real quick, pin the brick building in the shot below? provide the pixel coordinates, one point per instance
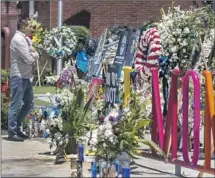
(99, 14)
(94, 14)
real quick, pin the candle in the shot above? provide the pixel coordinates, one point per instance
(125, 172)
(80, 153)
(94, 170)
(117, 168)
(127, 71)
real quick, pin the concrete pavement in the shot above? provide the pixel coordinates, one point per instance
(28, 159)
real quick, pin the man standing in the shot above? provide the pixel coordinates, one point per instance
(22, 57)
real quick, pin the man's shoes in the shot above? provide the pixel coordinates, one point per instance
(15, 138)
(22, 135)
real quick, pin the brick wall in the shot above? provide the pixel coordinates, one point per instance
(108, 13)
(9, 15)
(43, 9)
(104, 13)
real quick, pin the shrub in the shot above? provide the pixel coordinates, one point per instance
(5, 96)
(4, 111)
(4, 76)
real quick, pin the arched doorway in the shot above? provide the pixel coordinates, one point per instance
(82, 18)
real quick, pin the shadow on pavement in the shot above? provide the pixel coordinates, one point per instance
(156, 170)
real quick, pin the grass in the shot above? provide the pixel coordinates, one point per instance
(41, 103)
(44, 90)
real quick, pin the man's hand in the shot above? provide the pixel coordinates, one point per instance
(34, 53)
(33, 50)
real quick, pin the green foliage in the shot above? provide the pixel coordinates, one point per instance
(4, 101)
(44, 90)
(4, 111)
(82, 34)
(76, 115)
(129, 133)
(4, 76)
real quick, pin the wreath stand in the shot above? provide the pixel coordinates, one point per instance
(40, 74)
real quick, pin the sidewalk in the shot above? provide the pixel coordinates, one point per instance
(27, 159)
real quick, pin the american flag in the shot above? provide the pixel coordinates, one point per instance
(149, 51)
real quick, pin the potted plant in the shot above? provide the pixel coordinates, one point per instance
(76, 119)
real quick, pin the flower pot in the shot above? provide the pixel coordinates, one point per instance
(72, 147)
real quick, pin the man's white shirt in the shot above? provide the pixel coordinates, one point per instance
(22, 56)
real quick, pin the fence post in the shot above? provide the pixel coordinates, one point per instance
(177, 170)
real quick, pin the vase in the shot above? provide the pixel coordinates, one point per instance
(72, 146)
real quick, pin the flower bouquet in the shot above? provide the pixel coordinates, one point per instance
(120, 134)
(181, 34)
(67, 77)
(53, 39)
(39, 32)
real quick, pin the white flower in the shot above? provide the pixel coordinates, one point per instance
(183, 61)
(93, 141)
(178, 31)
(129, 114)
(113, 139)
(108, 133)
(186, 30)
(101, 129)
(48, 94)
(179, 40)
(184, 43)
(104, 145)
(127, 110)
(113, 113)
(166, 54)
(173, 49)
(108, 126)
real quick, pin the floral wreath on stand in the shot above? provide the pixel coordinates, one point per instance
(52, 42)
(181, 33)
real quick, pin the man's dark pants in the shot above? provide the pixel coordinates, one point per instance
(22, 101)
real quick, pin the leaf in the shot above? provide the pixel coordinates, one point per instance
(154, 146)
(142, 123)
(121, 145)
(79, 101)
(87, 105)
(132, 155)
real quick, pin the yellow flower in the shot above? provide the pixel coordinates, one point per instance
(136, 138)
(36, 39)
